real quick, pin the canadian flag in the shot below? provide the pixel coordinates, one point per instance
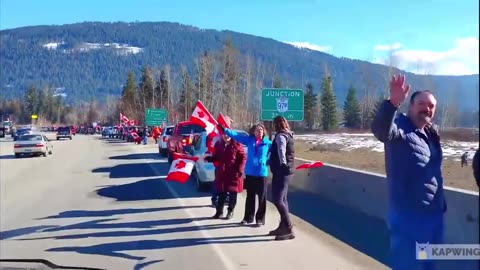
(181, 168)
(123, 118)
(223, 121)
(201, 116)
(310, 165)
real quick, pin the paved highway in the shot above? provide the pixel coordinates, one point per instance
(104, 203)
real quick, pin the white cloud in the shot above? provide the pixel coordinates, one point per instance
(310, 46)
(461, 59)
(394, 46)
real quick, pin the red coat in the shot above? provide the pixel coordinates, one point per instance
(229, 172)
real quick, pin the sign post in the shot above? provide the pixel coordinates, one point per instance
(288, 103)
(155, 117)
(34, 116)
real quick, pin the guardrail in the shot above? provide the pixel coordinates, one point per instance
(366, 193)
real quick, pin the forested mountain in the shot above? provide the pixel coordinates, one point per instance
(91, 60)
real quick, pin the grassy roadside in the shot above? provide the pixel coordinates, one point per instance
(364, 159)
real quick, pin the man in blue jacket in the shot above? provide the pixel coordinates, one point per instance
(413, 157)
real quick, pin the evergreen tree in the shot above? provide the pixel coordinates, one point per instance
(164, 89)
(277, 82)
(351, 109)
(310, 105)
(329, 105)
(32, 100)
(187, 101)
(147, 88)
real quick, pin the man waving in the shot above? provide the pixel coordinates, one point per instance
(413, 158)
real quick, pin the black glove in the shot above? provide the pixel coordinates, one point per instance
(220, 128)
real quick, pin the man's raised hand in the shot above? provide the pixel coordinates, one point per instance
(398, 90)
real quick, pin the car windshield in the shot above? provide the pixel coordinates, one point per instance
(31, 138)
(64, 129)
(191, 128)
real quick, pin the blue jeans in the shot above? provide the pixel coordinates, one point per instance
(405, 232)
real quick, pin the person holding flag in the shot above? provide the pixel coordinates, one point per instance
(231, 159)
(256, 170)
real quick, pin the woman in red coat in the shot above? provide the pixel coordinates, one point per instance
(231, 159)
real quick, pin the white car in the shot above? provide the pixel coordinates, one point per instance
(33, 144)
(163, 139)
(204, 172)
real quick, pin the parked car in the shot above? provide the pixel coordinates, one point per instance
(182, 137)
(204, 172)
(32, 144)
(163, 139)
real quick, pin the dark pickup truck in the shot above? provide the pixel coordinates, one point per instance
(64, 133)
(181, 140)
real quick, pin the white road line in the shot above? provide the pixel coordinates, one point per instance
(229, 265)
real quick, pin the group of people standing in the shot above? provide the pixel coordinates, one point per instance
(233, 164)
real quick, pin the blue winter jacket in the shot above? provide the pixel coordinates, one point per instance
(257, 155)
(414, 172)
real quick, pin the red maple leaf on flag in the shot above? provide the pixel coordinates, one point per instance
(201, 114)
(181, 164)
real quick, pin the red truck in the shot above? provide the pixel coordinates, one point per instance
(181, 140)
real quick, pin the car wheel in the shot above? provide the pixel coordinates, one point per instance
(17, 155)
(58, 139)
(70, 138)
(44, 154)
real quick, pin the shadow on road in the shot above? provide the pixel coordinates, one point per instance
(7, 157)
(130, 233)
(116, 249)
(150, 189)
(114, 212)
(366, 234)
(133, 170)
(138, 156)
(120, 142)
(105, 224)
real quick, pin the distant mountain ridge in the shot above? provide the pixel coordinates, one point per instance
(92, 59)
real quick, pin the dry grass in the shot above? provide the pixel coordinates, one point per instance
(364, 159)
(455, 134)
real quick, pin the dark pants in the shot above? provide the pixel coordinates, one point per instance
(214, 194)
(232, 201)
(279, 196)
(255, 186)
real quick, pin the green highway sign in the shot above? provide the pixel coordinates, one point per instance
(286, 102)
(155, 117)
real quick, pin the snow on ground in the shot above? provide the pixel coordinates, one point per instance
(451, 149)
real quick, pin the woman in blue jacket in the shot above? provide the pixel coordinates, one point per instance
(256, 171)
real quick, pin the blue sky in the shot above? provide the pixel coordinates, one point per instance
(428, 36)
